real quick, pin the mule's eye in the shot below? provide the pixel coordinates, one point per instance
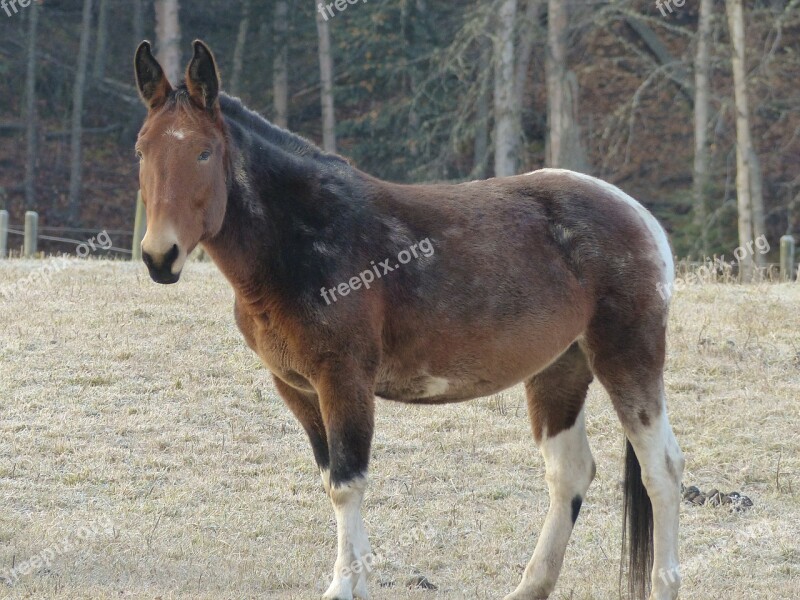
(139, 155)
(204, 156)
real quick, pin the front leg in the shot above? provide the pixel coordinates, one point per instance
(347, 403)
(305, 407)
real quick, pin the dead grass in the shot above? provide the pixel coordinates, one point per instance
(126, 401)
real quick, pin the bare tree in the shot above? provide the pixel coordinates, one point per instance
(702, 96)
(409, 30)
(138, 23)
(482, 118)
(30, 110)
(168, 38)
(757, 200)
(326, 77)
(506, 133)
(238, 52)
(743, 156)
(79, 90)
(564, 147)
(527, 37)
(280, 65)
(101, 44)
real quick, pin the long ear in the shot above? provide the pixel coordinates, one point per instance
(202, 77)
(154, 88)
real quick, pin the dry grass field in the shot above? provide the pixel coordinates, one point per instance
(144, 454)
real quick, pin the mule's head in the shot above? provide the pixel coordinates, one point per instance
(182, 160)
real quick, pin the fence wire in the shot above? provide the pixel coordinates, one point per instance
(51, 238)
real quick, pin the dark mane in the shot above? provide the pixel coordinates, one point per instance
(233, 108)
(255, 124)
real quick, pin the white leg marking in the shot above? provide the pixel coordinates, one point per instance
(662, 467)
(354, 556)
(570, 469)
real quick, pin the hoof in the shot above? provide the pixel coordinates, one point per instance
(341, 591)
(526, 595)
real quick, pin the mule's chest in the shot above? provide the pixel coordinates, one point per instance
(271, 346)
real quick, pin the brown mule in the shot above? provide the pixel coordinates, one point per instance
(349, 288)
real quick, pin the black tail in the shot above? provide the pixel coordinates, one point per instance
(637, 528)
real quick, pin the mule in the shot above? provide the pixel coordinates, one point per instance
(350, 288)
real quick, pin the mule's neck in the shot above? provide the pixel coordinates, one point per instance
(291, 211)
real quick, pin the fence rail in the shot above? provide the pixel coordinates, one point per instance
(31, 235)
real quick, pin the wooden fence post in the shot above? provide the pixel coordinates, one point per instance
(31, 234)
(3, 233)
(139, 227)
(787, 258)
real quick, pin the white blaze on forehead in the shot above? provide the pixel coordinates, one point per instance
(178, 134)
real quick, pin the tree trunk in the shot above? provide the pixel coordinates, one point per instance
(702, 69)
(757, 201)
(138, 23)
(30, 110)
(280, 65)
(76, 157)
(564, 147)
(101, 45)
(168, 39)
(528, 35)
(736, 26)
(481, 148)
(326, 77)
(408, 15)
(506, 135)
(238, 52)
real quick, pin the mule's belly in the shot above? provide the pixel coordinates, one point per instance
(445, 374)
(429, 389)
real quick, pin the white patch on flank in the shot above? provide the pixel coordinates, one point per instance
(436, 386)
(658, 233)
(354, 558)
(178, 134)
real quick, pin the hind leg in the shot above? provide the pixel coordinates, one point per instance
(628, 359)
(661, 470)
(555, 405)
